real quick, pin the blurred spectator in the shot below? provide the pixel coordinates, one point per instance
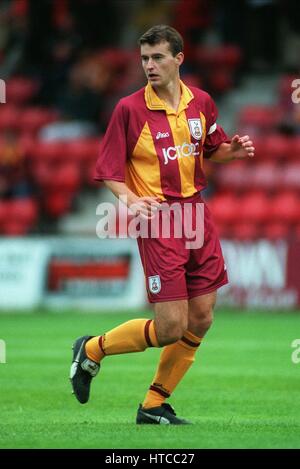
(192, 18)
(14, 176)
(291, 37)
(81, 101)
(99, 23)
(262, 47)
(255, 26)
(64, 47)
(40, 31)
(13, 34)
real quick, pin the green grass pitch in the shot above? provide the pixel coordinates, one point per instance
(242, 391)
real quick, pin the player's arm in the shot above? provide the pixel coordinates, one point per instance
(144, 206)
(238, 149)
(111, 170)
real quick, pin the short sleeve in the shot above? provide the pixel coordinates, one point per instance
(113, 148)
(215, 135)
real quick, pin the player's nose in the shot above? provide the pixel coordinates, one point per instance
(149, 65)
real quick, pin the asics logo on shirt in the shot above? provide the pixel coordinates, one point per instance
(180, 151)
(162, 135)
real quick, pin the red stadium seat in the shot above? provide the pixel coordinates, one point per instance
(224, 230)
(226, 56)
(66, 178)
(23, 211)
(295, 148)
(221, 81)
(225, 208)
(21, 89)
(77, 150)
(9, 117)
(20, 216)
(276, 231)
(245, 231)
(43, 174)
(33, 118)
(27, 144)
(277, 147)
(51, 152)
(285, 208)
(15, 228)
(218, 64)
(4, 207)
(265, 118)
(83, 154)
(266, 175)
(192, 79)
(297, 232)
(236, 176)
(254, 207)
(116, 58)
(290, 178)
(58, 204)
(82, 150)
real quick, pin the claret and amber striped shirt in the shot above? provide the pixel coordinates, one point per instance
(157, 151)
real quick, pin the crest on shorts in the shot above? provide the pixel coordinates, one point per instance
(154, 283)
(195, 128)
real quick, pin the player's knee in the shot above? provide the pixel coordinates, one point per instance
(207, 319)
(207, 322)
(172, 333)
(199, 324)
(170, 338)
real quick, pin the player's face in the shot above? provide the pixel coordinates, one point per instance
(159, 64)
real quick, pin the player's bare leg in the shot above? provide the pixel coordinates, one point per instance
(200, 314)
(171, 320)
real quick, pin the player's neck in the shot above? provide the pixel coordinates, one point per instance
(170, 94)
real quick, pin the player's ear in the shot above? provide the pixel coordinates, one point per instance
(179, 58)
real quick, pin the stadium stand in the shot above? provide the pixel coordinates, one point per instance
(247, 200)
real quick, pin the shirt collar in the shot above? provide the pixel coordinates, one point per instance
(154, 103)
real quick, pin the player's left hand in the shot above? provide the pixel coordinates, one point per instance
(241, 147)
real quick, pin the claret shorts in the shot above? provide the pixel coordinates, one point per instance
(175, 271)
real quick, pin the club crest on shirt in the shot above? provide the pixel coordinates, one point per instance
(195, 128)
(154, 283)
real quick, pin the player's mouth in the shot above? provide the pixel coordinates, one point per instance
(152, 76)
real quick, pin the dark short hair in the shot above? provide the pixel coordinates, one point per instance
(163, 33)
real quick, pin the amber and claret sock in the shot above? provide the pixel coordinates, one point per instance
(175, 360)
(132, 336)
(135, 336)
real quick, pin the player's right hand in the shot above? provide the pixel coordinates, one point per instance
(145, 207)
